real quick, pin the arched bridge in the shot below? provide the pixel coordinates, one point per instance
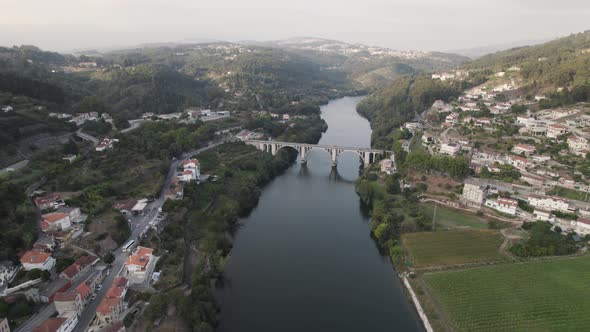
(367, 155)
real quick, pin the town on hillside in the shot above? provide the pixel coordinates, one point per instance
(525, 157)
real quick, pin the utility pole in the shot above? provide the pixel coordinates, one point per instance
(434, 217)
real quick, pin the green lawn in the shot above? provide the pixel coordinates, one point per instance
(447, 218)
(535, 296)
(452, 247)
(568, 193)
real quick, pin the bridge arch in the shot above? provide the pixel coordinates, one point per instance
(359, 154)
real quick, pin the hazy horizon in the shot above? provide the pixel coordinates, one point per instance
(66, 25)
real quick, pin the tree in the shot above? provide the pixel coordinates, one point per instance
(109, 258)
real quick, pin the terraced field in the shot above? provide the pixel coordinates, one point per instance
(535, 296)
(452, 247)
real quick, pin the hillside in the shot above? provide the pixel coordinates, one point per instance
(560, 65)
(563, 62)
(370, 66)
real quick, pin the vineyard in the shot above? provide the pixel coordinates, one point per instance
(452, 247)
(535, 296)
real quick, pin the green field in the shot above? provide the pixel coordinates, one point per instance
(447, 218)
(452, 247)
(535, 296)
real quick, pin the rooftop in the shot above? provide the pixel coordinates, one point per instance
(34, 257)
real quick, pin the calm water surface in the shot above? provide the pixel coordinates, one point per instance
(304, 260)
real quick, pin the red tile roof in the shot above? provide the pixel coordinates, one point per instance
(63, 297)
(34, 257)
(140, 257)
(47, 199)
(50, 325)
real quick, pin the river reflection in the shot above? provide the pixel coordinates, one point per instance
(303, 260)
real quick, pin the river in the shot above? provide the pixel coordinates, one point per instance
(303, 260)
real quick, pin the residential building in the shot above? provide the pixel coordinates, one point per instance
(55, 221)
(450, 148)
(81, 265)
(105, 144)
(62, 323)
(138, 263)
(286, 116)
(50, 201)
(474, 192)
(525, 149)
(577, 143)
(483, 122)
(37, 260)
(412, 126)
(7, 273)
(191, 170)
(387, 166)
(73, 212)
(581, 226)
(543, 215)
(125, 207)
(45, 243)
(69, 301)
(504, 205)
(4, 327)
(550, 203)
(520, 162)
(110, 308)
(452, 118)
(555, 130)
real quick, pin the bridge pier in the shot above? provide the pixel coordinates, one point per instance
(303, 155)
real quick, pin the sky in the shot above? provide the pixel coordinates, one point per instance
(434, 25)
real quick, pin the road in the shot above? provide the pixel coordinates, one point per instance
(87, 137)
(37, 319)
(139, 225)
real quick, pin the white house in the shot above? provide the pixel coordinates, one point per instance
(137, 264)
(577, 144)
(7, 108)
(581, 226)
(191, 171)
(387, 166)
(504, 205)
(55, 221)
(73, 212)
(37, 260)
(523, 148)
(450, 148)
(451, 118)
(549, 203)
(556, 129)
(543, 215)
(520, 162)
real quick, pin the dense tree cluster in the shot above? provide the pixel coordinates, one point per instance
(544, 242)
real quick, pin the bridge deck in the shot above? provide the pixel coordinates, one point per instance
(322, 146)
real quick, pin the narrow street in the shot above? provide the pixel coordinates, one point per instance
(89, 313)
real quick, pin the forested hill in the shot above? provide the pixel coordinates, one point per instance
(369, 66)
(401, 101)
(564, 62)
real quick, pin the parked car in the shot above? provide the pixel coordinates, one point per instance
(99, 287)
(93, 297)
